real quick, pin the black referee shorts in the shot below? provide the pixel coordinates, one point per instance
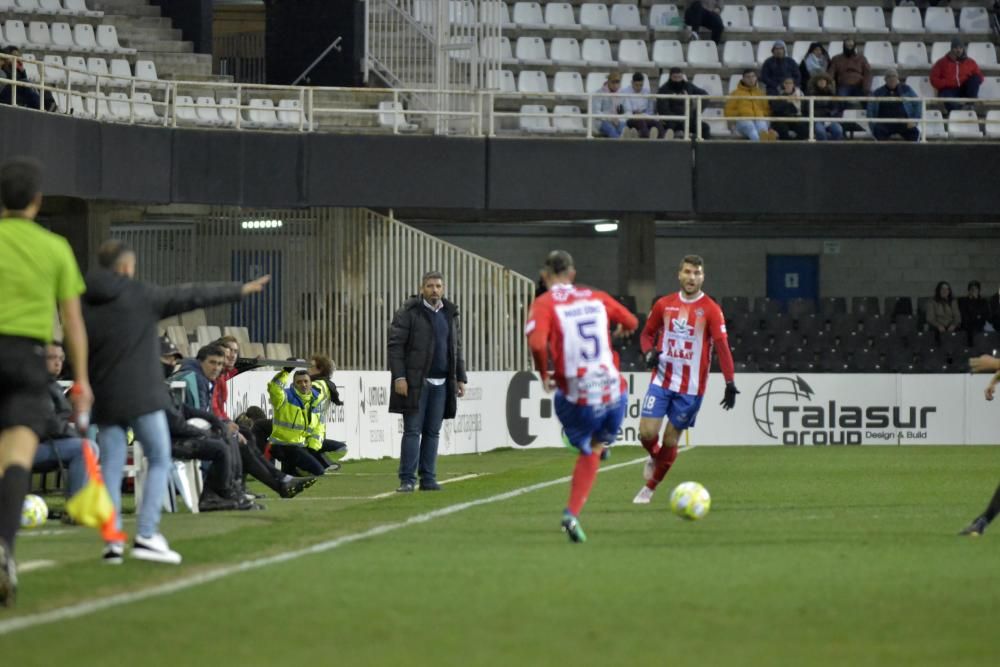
(24, 379)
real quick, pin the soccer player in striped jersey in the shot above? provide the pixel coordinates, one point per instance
(569, 325)
(677, 342)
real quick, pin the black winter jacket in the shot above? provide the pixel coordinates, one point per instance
(121, 315)
(411, 352)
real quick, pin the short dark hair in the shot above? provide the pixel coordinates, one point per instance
(749, 70)
(693, 260)
(431, 275)
(109, 252)
(211, 350)
(255, 412)
(637, 76)
(676, 70)
(323, 363)
(299, 372)
(558, 261)
(20, 182)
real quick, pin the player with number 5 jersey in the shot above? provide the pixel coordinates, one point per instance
(569, 325)
(677, 342)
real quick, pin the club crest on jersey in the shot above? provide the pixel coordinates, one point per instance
(680, 326)
(700, 312)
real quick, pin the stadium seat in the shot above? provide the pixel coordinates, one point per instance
(935, 128)
(51, 7)
(143, 109)
(838, 19)
(665, 18)
(566, 51)
(736, 18)
(625, 17)
(865, 305)
(731, 305)
(15, 34)
(803, 18)
(290, 115)
(229, 112)
(28, 6)
(31, 71)
(62, 37)
(392, 116)
(716, 122)
(253, 350)
(528, 15)
(98, 109)
(993, 124)
(77, 107)
(986, 342)
(668, 53)
(107, 39)
(990, 90)
(799, 307)
(767, 18)
(207, 112)
(145, 72)
(974, 20)
(85, 40)
(242, 334)
(878, 81)
(800, 50)
(764, 51)
(495, 12)
(710, 83)
(921, 86)
(879, 55)
(767, 306)
(964, 125)
(531, 51)
(78, 74)
(595, 81)
(98, 67)
(984, 53)
(38, 35)
(597, 53)
(866, 361)
(79, 8)
(502, 81)
(498, 48)
(897, 305)
(939, 50)
(462, 12)
(425, 11)
(633, 53)
(734, 81)
(703, 53)
(870, 19)
(830, 305)
(594, 16)
(907, 20)
(940, 20)
(568, 119)
(913, 54)
(737, 53)
(567, 83)
(121, 73)
(53, 70)
(205, 334)
(857, 117)
(835, 47)
(559, 15)
(532, 81)
(185, 113)
(535, 123)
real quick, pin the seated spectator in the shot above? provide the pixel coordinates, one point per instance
(974, 310)
(639, 108)
(777, 68)
(608, 104)
(318, 445)
(296, 415)
(705, 14)
(747, 102)
(677, 84)
(816, 61)
(851, 72)
(943, 315)
(894, 107)
(821, 85)
(61, 445)
(14, 70)
(994, 322)
(789, 107)
(956, 75)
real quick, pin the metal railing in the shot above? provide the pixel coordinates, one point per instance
(338, 276)
(479, 112)
(241, 56)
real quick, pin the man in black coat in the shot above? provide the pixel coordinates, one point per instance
(121, 316)
(428, 377)
(676, 84)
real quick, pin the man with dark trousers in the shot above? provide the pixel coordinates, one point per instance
(428, 376)
(38, 272)
(122, 315)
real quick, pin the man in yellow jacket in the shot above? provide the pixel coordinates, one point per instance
(748, 102)
(321, 373)
(296, 416)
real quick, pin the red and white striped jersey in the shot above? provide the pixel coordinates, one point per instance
(684, 331)
(570, 324)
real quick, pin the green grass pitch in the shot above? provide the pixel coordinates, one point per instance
(810, 556)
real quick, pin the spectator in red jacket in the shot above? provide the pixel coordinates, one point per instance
(956, 75)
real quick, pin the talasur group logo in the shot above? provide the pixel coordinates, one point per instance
(785, 389)
(527, 405)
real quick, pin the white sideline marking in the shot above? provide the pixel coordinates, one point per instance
(41, 533)
(389, 494)
(34, 565)
(86, 608)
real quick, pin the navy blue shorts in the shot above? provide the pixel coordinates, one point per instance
(680, 409)
(582, 424)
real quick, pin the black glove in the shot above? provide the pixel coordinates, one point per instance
(334, 394)
(729, 400)
(652, 358)
(288, 369)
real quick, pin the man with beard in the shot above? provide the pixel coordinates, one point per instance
(851, 72)
(677, 84)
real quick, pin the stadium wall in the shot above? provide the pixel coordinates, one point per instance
(503, 409)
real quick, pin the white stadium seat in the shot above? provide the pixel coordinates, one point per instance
(858, 117)
(79, 8)
(736, 53)
(736, 18)
(499, 48)
(532, 81)
(633, 53)
(716, 121)
(626, 17)
(836, 47)
(31, 71)
(495, 12)
(38, 34)
(52, 7)
(838, 19)
(984, 53)
(462, 12)
(993, 124)
(907, 20)
(767, 18)
(53, 70)
(710, 83)
(145, 71)
(15, 34)
(62, 37)
(78, 74)
(764, 51)
(229, 112)
(119, 107)
(261, 114)
(184, 110)
(734, 80)
(921, 85)
(529, 15)
(799, 50)
(940, 19)
(912, 54)
(107, 39)
(938, 51)
(877, 81)
(668, 53)
(963, 125)
(595, 81)
(567, 83)
(143, 109)
(935, 125)
(28, 6)
(879, 54)
(83, 37)
(290, 115)
(121, 73)
(208, 113)
(502, 81)
(803, 18)
(870, 19)
(597, 53)
(665, 17)
(566, 51)
(531, 51)
(974, 20)
(990, 90)
(535, 123)
(568, 119)
(594, 16)
(703, 53)
(560, 15)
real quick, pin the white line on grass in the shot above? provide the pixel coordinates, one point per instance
(32, 565)
(389, 494)
(100, 604)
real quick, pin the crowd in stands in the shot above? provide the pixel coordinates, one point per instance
(860, 334)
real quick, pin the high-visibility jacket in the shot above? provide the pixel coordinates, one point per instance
(323, 401)
(295, 414)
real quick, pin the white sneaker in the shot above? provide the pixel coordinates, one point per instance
(155, 549)
(114, 553)
(643, 497)
(647, 470)
(654, 133)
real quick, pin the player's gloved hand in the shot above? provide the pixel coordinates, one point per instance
(652, 358)
(729, 400)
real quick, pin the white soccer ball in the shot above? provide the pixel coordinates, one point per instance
(34, 512)
(690, 500)
(199, 423)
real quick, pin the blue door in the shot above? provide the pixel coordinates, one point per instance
(792, 277)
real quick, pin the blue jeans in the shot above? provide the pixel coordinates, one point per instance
(750, 129)
(969, 89)
(828, 130)
(68, 452)
(609, 129)
(152, 432)
(421, 432)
